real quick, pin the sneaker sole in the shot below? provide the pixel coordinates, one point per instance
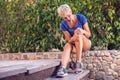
(78, 71)
(60, 76)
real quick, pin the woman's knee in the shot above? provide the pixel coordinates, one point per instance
(80, 37)
(67, 46)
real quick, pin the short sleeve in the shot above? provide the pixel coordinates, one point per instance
(83, 19)
(63, 27)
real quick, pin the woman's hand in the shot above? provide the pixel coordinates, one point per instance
(76, 34)
(72, 39)
(79, 31)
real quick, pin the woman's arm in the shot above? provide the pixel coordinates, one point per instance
(87, 32)
(68, 37)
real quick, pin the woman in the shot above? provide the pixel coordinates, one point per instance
(76, 31)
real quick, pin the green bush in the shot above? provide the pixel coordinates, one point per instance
(33, 25)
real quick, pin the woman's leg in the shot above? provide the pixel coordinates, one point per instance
(66, 55)
(64, 61)
(81, 44)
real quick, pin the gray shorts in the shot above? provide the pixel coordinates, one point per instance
(90, 42)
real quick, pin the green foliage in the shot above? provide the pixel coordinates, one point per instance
(33, 25)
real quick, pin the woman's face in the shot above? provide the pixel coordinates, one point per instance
(68, 17)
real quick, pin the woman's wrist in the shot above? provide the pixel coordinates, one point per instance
(69, 41)
(83, 32)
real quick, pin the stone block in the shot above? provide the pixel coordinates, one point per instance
(6, 56)
(10, 71)
(73, 76)
(1, 56)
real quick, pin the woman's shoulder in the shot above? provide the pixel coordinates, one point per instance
(63, 25)
(80, 15)
(82, 18)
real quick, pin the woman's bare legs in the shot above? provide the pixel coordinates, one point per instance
(66, 54)
(81, 44)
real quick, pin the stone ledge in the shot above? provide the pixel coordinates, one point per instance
(24, 66)
(30, 56)
(54, 55)
(107, 61)
(45, 65)
(73, 76)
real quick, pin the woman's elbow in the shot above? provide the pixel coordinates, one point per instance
(89, 35)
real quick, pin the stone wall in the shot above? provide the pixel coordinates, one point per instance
(30, 56)
(103, 64)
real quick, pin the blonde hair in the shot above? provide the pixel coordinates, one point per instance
(63, 10)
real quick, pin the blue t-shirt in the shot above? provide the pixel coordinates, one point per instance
(81, 21)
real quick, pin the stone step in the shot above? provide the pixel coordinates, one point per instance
(11, 70)
(72, 76)
(28, 69)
